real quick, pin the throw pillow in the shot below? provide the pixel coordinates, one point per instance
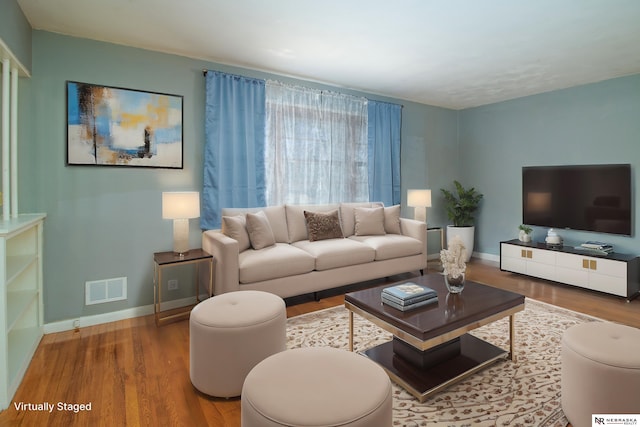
(236, 228)
(392, 220)
(260, 233)
(369, 221)
(323, 225)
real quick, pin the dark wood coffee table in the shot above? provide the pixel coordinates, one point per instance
(431, 348)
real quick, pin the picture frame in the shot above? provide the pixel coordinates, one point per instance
(113, 126)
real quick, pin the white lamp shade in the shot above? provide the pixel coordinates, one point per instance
(180, 205)
(419, 198)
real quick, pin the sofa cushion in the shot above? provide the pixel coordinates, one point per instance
(390, 246)
(392, 219)
(347, 217)
(279, 260)
(276, 215)
(322, 226)
(369, 221)
(296, 223)
(236, 228)
(259, 229)
(334, 253)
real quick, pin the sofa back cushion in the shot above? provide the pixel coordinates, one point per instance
(275, 214)
(260, 233)
(392, 220)
(236, 228)
(369, 221)
(347, 215)
(296, 221)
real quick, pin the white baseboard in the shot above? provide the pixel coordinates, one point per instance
(98, 319)
(488, 257)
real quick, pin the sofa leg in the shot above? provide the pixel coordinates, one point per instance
(316, 297)
(421, 272)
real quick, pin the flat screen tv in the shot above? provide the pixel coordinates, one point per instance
(580, 197)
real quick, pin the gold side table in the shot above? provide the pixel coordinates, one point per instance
(162, 260)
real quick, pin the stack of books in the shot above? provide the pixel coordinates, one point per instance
(598, 246)
(408, 296)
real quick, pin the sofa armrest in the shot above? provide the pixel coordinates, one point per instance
(417, 230)
(413, 228)
(225, 251)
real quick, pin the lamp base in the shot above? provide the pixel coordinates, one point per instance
(181, 236)
(420, 213)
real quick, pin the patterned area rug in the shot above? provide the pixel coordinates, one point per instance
(524, 393)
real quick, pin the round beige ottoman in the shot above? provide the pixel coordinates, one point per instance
(600, 371)
(316, 387)
(229, 334)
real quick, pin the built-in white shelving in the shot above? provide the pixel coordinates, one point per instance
(21, 307)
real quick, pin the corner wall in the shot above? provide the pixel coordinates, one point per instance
(590, 124)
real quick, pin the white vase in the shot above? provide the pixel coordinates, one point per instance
(467, 236)
(524, 237)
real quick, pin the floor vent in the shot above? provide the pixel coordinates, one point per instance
(101, 291)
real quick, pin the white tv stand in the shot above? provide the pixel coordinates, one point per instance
(614, 273)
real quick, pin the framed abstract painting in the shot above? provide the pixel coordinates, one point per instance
(111, 126)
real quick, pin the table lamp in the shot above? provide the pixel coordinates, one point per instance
(180, 206)
(420, 200)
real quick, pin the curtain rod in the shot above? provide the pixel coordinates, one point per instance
(205, 71)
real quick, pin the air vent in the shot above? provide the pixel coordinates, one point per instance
(101, 291)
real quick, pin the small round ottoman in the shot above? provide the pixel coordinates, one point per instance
(316, 387)
(600, 371)
(229, 334)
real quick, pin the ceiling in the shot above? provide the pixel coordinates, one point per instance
(449, 53)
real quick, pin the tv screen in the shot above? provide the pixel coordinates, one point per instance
(579, 197)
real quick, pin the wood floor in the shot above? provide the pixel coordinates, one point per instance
(134, 373)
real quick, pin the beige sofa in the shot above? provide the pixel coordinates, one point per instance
(293, 250)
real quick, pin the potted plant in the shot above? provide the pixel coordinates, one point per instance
(461, 206)
(525, 233)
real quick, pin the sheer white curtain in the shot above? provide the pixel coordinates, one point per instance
(316, 146)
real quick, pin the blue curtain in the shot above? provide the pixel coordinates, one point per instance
(385, 120)
(234, 174)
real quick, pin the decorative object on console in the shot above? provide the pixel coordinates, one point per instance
(553, 240)
(525, 233)
(453, 263)
(420, 200)
(461, 207)
(180, 207)
(597, 246)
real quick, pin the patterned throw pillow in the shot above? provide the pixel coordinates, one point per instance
(323, 225)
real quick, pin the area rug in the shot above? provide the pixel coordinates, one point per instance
(521, 393)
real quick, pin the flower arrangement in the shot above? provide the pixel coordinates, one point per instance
(453, 258)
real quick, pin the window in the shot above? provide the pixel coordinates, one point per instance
(316, 146)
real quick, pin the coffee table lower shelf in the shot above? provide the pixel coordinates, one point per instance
(475, 354)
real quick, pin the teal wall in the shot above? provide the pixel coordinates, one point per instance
(15, 31)
(106, 222)
(596, 123)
